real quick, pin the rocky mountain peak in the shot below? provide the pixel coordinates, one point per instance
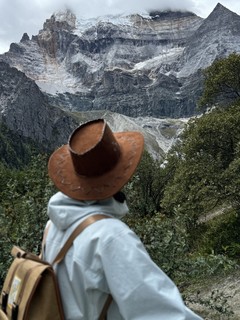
(147, 65)
(25, 37)
(63, 20)
(220, 9)
(57, 30)
(143, 68)
(221, 17)
(216, 37)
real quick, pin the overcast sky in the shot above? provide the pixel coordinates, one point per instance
(19, 16)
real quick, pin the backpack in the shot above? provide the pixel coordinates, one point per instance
(30, 290)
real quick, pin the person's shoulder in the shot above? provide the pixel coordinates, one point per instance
(109, 231)
(116, 231)
(114, 226)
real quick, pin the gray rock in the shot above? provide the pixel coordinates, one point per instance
(23, 109)
(134, 65)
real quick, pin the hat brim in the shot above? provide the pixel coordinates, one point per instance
(79, 187)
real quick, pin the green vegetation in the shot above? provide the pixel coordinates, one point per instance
(206, 166)
(23, 199)
(14, 150)
(145, 190)
(186, 210)
(222, 82)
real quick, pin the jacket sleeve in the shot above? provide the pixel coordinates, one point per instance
(139, 287)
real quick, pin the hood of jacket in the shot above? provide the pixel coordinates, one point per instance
(64, 211)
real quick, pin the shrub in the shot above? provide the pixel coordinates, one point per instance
(221, 235)
(23, 203)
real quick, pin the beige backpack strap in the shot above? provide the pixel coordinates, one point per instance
(75, 233)
(88, 221)
(105, 308)
(44, 240)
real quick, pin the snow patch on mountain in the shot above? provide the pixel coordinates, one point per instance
(166, 56)
(57, 80)
(83, 24)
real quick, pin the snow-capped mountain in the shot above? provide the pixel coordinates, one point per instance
(134, 65)
(141, 72)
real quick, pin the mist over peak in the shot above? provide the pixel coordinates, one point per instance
(103, 7)
(170, 14)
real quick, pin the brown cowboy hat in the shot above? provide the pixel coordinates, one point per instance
(96, 163)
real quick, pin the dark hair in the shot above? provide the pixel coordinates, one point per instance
(119, 196)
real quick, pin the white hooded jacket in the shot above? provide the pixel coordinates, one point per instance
(107, 257)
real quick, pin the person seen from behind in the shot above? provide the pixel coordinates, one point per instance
(107, 259)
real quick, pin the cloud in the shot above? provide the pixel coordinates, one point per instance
(18, 16)
(102, 7)
(184, 5)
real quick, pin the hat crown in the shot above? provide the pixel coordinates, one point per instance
(93, 149)
(95, 163)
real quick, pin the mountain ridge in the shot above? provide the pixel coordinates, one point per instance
(72, 60)
(139, 67)
(133, 65)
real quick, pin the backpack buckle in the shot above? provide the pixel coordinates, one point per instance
(4, 301)
(14, 311)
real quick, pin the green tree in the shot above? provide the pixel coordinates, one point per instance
(208, 161)
(23, 202)
(222, 82)
(232, 178)
(145, 190)
(15, 151)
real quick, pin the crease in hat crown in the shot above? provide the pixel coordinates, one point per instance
(96, 162)
(93, 148)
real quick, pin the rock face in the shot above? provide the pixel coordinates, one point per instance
(134, 65)
(23, 109)
(136, 71)
(159, 134)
